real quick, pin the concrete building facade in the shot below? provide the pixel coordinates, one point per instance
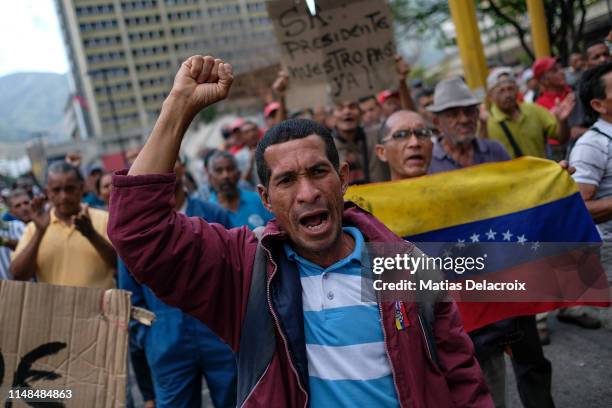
(124, 53)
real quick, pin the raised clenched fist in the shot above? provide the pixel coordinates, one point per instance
(202, 81)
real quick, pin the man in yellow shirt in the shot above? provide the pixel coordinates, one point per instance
(66, 244)
(522, 127)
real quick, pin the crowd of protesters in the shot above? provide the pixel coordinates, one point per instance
(190, 252)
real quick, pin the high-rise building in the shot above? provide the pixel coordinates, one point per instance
(124, 53)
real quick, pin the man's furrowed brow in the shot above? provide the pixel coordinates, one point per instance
(282, 174)
(319, 164)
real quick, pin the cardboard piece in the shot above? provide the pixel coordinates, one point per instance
(254, 84)
(75, 338)
(343, 53)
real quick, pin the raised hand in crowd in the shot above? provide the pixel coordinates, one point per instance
(280, 83)
(483, 117)
(563, 109)
(82, 222)
(402, 69)
(200, 82)
(40, 213)
(279, 87)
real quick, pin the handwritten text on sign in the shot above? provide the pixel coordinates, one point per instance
(344, 52)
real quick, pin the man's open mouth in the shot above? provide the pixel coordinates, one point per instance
(415, 158)
(314, 221)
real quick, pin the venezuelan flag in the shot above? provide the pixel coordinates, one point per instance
(527, 201)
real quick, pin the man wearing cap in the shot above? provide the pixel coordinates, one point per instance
(554, 95)
(521, 127)
(405, 144)
(456, 114)
(270, 113)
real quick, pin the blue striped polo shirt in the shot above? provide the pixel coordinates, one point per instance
(347, 361)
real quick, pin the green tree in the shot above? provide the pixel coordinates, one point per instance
(565, 20)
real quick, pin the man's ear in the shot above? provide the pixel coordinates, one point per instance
(598, 106)
(381, 153)
(343, 172)
(265, 198)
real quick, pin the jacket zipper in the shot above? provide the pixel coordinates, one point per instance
(256, 384)
(277, 323)
(399, 399)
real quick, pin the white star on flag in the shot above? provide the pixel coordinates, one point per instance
(475, 237)
(521, 239)
(460, 243)
(535, 246)
(507, 235)
(490, 234)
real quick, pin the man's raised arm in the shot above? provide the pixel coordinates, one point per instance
(200, 82)
(201, 268)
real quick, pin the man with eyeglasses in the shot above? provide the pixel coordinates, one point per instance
(405, 143)
(65, 244)
(19, 207)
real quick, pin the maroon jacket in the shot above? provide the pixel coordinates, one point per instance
(216, 266)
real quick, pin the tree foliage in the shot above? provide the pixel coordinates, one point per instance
(565, 20)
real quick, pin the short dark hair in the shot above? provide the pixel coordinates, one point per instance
(593, 87)
(220, 154)
(14, 193)
(367, 98)
(593, 43)
(62, 167)
(293, 129)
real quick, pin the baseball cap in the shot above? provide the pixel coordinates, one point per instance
(496, 74)
(386, 94)
(271, 108)
(542, 65)
(236, 124)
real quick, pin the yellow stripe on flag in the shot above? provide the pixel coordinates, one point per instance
(429, 203)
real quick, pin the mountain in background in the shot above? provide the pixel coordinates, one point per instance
(32, 102)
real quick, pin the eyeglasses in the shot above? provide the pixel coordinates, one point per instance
(421, 135)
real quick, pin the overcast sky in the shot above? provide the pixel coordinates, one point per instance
(30, 39)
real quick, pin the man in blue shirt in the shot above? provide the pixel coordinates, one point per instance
(244, 207)
(179, 349)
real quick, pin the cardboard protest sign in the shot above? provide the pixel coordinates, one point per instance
(344, 52)
(65, 339)
(254, 84)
